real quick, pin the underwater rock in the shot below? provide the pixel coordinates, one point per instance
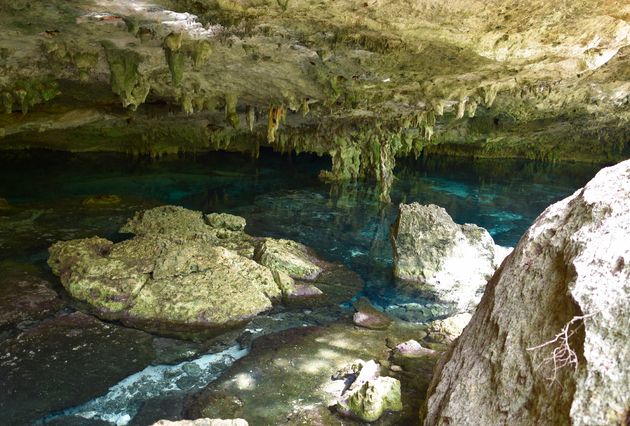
(203, 422)
(338, 283)
(369, 395)
(4, 204)
(24, 295)
(79, 356)
(433, 253)
(102, 200)
(369, 317)
(548, 344)
(289, 257)
(295, 366)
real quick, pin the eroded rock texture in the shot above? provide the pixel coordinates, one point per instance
(570, 272)
(438, 256)
(181, 274)
(361, 82)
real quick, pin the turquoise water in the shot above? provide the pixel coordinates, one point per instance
(279, 196)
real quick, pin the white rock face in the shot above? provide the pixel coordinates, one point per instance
(571, 271)
(453, 261)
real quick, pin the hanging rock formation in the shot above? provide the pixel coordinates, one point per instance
(362, 83)
(436, 255)
(548, 344)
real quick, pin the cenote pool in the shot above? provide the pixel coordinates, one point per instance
(280, 196)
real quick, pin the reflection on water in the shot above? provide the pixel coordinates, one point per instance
(279, 196)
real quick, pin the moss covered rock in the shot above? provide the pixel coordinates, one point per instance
(294, 259)
(175, 275)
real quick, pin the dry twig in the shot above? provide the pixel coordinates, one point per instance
(563, 355)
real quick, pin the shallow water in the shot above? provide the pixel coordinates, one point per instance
(279, 196)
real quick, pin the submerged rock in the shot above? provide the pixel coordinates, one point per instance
(441, 257)
(203, 422)
(4, 204)
(24, 295)
(79, 357)
(286, 378)
(369, 317)
(102, 200)
(548, 344)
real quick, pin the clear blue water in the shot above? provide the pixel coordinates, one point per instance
(279, 196)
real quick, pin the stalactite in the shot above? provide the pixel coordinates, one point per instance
(231, 101)
(276, 115)
(250, 117)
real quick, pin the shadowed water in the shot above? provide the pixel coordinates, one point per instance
(49, 200)
(279, 196)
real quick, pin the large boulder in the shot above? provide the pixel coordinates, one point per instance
(450, 261)
(175, 276)
(184, 273)
(548, 343)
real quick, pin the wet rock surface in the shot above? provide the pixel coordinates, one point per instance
(369, 317)
(549, 340)
(25, 296)
(286, 378)
(451, 261)
(79, 357)
(181, 275)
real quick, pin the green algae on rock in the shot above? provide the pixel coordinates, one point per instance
(364, 85)
(182, 273)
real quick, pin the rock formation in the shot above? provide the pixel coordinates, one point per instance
(361, 83)
(451, 261)
(548, 343)
(368, 394)
(181, 273)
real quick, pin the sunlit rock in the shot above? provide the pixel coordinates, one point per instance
(369, 394)
(369, 317)
(549, 341)
(441, 257)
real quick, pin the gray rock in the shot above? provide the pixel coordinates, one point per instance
(570, 272)
(439, 256)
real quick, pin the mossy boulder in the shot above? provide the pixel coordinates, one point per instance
(373, 398)
(177, 275)
(184, 273)
(287, 256)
